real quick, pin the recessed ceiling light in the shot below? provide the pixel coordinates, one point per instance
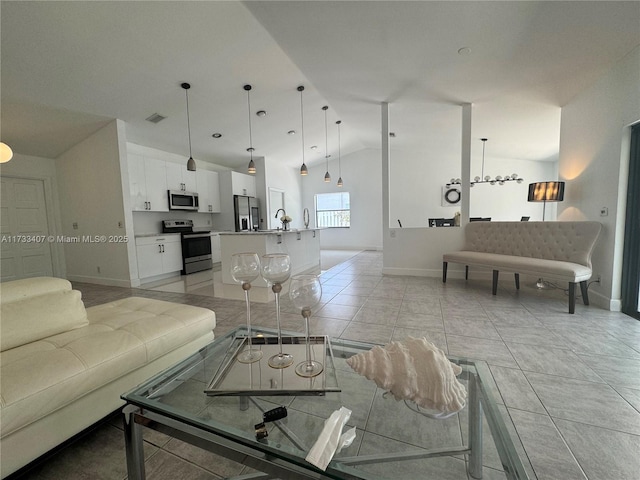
(261, 113)
(464, 51)
(291, 132)
(216, 135)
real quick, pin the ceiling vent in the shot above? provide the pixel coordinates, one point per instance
(155, 118)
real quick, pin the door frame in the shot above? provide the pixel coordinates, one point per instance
(631, 252)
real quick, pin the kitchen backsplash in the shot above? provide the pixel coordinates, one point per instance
(151, 222)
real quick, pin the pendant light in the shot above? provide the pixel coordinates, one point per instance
(340, 184)
(252, 166)
(191, 164)
(327, 177)
(6, 153)
(487, 179)
(303, 168)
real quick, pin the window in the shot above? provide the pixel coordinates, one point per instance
(333, 210)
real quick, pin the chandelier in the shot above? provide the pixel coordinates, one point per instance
(487, 179)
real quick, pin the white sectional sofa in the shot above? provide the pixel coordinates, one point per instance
(553, 250)
(64, 367)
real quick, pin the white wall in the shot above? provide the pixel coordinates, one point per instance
(594, 155)
(508, 202)
(39, 168)
(283, 178)
(362, 176)
(91, 195)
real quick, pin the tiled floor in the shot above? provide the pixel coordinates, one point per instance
(569, 383)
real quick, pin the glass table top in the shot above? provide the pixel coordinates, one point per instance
(386, 428)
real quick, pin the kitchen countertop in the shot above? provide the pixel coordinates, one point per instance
(140, 235)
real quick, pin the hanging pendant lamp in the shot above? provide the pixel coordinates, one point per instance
(303, 168)
(327, 177)
(191, 163)
(340, 183)
(251, 168)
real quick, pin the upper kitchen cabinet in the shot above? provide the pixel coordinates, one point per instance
(147, 184)
(208, 188)
(179, 178)
(242, 184)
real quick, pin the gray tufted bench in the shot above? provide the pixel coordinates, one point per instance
(553, 250)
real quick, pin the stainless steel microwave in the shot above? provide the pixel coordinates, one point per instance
(179, 200)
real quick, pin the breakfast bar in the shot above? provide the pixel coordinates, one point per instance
(302, 246)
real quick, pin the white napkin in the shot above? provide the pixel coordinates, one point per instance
(331, 439)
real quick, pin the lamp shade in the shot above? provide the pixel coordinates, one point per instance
(546, 192)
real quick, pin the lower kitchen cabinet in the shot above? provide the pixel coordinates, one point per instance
(216, 253)
(158, 255)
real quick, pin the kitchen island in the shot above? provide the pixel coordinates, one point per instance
(303, 247)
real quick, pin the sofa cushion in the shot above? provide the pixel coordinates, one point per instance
(36, 317)
(122, 336)
(30, 287)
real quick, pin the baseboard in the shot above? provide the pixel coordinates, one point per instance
(111, 282)
(602, 301)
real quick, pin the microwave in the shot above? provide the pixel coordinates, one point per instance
(179, 200)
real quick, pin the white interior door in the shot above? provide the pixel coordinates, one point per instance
(26, 251)
(276, 202)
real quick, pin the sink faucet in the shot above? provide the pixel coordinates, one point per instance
(278, 211)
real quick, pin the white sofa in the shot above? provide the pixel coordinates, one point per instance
(558, 251)
(64, 367)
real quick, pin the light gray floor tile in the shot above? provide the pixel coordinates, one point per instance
(586, 402)
(352, 300)
(494, 352)
(209, 461)
(416, 320)
(593, 342)
(165, 466)
(442, 468)
(423, 307)
(516, 390)
(530, 336)
(603, 454)
(470, 327)
(516, 317)
(393, 419)
(631, 395)
(362, 332)
(547, 451)
(378, 315)
(343, 312)
(554, 361)
(615, 370)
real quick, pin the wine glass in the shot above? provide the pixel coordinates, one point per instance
(305, 291)
(276, 269)
(245, 268)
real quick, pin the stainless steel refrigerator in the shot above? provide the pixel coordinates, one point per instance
(246, 213)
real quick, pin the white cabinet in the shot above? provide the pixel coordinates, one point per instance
(147, 184)
(242, 184)
(208, 188)
(216, 251)
(159, 254)
(179, 178)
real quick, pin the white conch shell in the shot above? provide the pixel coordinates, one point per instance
(415, 370)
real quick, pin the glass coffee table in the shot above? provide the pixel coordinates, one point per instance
(393, 440)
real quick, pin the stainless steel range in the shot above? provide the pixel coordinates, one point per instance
(196, 246)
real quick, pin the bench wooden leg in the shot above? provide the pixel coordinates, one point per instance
(572, 297)
(466, 272)
(444, 272)
(495, 282)
(585, 294)
(517, 277)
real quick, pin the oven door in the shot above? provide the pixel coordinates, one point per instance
(196, 252)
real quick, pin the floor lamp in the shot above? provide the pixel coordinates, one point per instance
(545, 192)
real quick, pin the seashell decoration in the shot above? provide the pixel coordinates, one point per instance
(415, 370)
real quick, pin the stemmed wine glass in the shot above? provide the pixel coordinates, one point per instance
(245, 268)
(305, 291)
(276, 269)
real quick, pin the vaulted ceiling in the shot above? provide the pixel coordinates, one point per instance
(68, 68)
